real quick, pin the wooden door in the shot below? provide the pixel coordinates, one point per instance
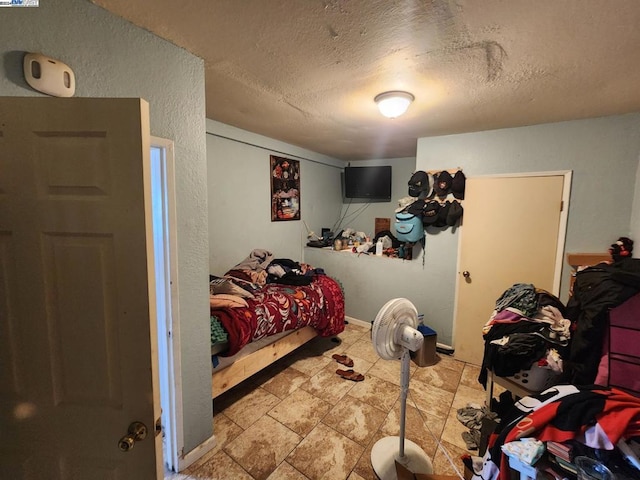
(509, 235)
(77, 303)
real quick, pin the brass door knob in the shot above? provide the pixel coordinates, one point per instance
(137, 432)
(126, 443)
(466, 274)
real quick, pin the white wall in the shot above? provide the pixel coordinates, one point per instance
(240, 216)
(602, 152)
(239, 196)
(112, 58)
(361, 215)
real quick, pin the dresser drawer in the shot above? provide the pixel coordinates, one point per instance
(624, 373)
(624, 340)
(626, 314)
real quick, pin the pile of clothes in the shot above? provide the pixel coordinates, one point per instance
(592, 421)
(260, 268)
(527, 327)
(474, 416)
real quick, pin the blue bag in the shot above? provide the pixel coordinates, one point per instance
(408, 227)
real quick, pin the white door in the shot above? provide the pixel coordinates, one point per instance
(77, 302)
(510, 234)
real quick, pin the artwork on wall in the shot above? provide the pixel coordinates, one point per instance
(285, 189)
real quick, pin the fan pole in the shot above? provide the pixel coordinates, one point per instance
(394, 336)
(404, 383)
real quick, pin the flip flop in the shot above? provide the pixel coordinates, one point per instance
(343, 359)
(350, 375)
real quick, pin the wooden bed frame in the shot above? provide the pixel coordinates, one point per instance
(246, 365)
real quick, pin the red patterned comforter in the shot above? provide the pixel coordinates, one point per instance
(277, 308)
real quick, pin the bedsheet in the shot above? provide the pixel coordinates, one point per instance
(278, 308)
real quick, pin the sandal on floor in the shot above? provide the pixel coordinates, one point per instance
(350, 375)
(343, 359)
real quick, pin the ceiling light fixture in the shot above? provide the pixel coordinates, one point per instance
(393, 104)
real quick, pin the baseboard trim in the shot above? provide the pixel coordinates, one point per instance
(197, 453)
(357, 321)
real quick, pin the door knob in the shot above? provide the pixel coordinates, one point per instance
(137, 432)
(466, 274)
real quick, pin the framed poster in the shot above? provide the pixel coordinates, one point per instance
(285, 189)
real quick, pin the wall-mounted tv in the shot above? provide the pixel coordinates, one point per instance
(373, 182)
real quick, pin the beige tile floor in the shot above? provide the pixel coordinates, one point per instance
(298, 420)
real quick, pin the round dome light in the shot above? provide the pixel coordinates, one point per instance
(393, 104)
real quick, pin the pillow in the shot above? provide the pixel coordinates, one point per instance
(225, 286)
(226, 301)
(245, 284)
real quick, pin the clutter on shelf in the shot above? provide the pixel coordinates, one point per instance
(384, 243)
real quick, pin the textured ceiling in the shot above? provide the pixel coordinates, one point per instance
(306, 71)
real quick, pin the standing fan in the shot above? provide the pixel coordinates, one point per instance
(393, 335)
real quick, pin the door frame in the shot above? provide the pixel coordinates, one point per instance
(169, 356)
(562, 231)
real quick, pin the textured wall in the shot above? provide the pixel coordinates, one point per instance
(361, 216)
(602, 152)
(239, 216)
(112, 58)
(239, 196)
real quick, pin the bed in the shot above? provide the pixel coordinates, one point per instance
(271, 315)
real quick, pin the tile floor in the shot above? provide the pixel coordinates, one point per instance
(298, 420)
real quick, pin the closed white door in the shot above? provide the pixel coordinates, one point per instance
(509, 235)
(77, 302)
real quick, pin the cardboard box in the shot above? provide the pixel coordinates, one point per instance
(404, 474)
(382, 224)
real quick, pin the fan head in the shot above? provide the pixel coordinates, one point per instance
(395, 328)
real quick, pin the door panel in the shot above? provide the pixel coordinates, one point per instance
(77, 298)
(79, 281)
(509, 235)
(11, 377)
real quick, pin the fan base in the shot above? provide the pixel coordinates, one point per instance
(385, 452)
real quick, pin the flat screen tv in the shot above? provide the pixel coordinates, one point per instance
(373, 182)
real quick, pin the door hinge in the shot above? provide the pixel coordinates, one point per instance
(562, 205)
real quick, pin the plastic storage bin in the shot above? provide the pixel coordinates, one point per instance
(426, 355)
(535, 379)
